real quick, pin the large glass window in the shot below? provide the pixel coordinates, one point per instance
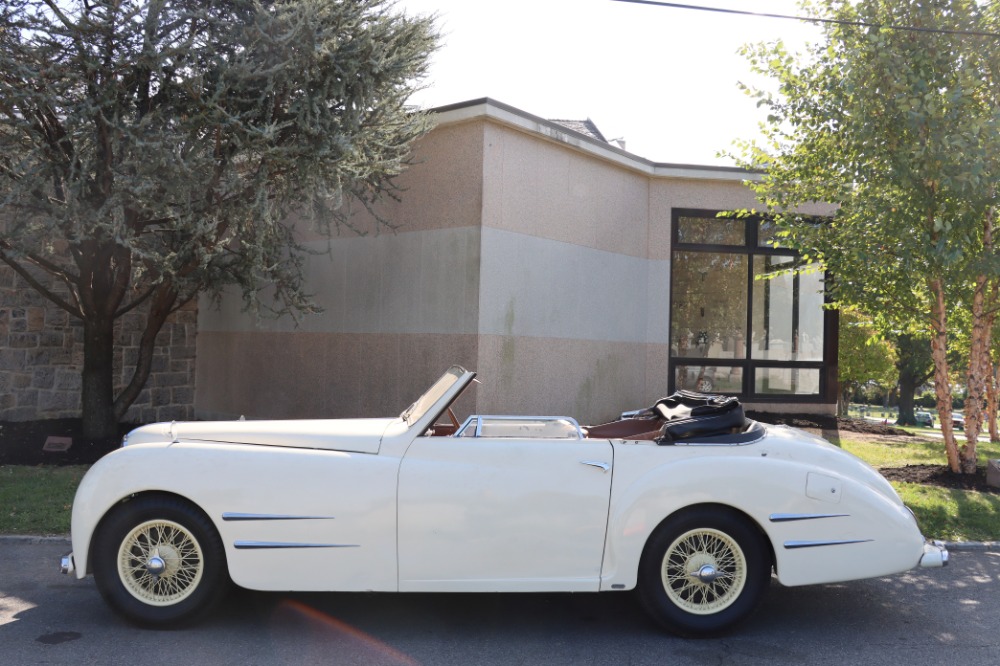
(742, 320)
(699, 230)
(709, 311)
(786, 381)
(787, 311)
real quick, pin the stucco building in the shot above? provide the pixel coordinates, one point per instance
(575, 277)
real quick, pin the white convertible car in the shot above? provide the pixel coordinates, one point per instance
(687, 501)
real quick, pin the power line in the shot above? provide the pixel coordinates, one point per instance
(741, 12)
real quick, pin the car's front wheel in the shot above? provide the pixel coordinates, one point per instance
(703, 571)
(158, 561)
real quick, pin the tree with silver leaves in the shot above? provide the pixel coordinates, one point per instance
(153, 150)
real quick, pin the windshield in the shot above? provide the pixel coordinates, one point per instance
(415, 411)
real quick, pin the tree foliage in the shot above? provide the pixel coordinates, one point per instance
(900, 129)
(864, 357)
(152, 150)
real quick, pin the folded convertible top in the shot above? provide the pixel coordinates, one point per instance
(688, 415)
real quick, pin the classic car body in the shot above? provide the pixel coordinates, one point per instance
(697, 511)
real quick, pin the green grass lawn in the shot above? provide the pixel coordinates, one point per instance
(952, 515)
(37, 500)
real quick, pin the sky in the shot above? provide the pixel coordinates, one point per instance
(664, 79)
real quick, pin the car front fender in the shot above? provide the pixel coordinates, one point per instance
(302, 519)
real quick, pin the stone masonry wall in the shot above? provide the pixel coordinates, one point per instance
(41, 357)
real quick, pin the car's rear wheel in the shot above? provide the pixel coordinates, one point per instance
(158, 561)
(703, 571)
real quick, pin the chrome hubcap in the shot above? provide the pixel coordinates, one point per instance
(707, 574)
(156, 566)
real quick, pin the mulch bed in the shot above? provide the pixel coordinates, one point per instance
(940, 475)
(819, 422)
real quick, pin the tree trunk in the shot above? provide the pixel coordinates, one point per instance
(161, 305)
(975, 378)
(942, 384)
(911, 375)
(844, 403)
(983, 304)
(907, 388)
(991, 402)
(97, 399)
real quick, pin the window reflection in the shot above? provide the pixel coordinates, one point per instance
(787, 381)
(709, 314)
(726, 318)
(711, 231)
(787, 312)
(709, 378)
(767, 234)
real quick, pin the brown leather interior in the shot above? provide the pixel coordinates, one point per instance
(625, 429)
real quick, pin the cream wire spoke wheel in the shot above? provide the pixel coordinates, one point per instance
(160, 562)
(703, 571)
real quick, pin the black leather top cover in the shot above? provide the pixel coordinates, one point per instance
(688, 415)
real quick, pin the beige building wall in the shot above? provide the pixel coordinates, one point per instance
(532, 255)
(398, 308)
(565, 280)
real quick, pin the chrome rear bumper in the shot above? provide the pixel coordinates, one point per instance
(66, 564)
(935, 555)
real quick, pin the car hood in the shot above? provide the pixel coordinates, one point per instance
(356, 435)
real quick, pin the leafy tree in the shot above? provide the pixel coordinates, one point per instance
(914, 367)
(900, 129)
(864, 357)
(152, 150)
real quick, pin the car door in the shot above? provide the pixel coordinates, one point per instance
(503, 514)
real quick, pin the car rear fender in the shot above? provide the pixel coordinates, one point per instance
(822, 527)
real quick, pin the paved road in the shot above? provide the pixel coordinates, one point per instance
(947, 615)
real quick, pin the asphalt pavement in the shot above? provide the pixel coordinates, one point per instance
(921, 617)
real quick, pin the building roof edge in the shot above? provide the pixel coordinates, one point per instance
(486, 107)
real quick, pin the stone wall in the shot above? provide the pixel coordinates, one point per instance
(41, 356)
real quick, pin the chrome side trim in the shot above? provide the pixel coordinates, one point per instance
(816, 544)
(253, 545)
(596, 463)
(788, 517)
(231, 515)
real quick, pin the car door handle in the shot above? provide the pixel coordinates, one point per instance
(596, 463)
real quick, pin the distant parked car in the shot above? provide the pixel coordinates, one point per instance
(958, 421)
(925, 419)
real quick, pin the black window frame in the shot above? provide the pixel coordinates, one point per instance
(827, 367)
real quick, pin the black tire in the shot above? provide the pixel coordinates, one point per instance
(159, 561)
(703, 571)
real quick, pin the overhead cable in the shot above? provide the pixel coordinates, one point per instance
(808, 19)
